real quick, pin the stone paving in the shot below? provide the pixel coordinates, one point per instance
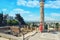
(46, 36)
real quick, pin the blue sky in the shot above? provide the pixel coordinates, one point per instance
(30, 9)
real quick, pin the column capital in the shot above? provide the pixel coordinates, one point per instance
(41, 4)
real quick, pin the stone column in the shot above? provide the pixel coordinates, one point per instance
(42, 12)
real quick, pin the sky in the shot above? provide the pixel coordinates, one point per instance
(30, 9)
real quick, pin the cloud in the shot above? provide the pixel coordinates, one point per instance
(52, 17)
(4, 9)
(27, 15)
(55, 14)
(36, 3)
(47, 18)
(36, 19)
(30, 3)
(32, 17)
(18, 10)
(53, 4)
(21, 2)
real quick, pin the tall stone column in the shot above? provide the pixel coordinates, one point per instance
(42, 12)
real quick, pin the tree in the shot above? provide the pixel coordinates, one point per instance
(20, 19)
(46, 26)
(9, 22)
(1, 18)
(14, 22)
(5, 19)
(57, 25)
